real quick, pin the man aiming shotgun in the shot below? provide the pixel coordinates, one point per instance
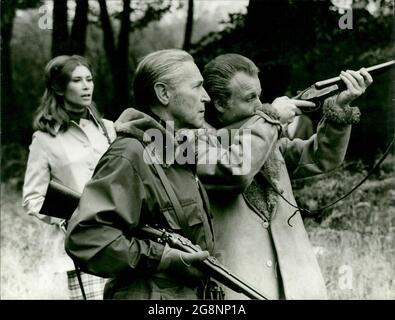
(257, 225)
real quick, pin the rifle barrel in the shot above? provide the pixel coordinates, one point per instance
(217, 272)
(68, 200)
(373, 69)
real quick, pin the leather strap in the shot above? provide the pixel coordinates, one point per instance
(179, 213)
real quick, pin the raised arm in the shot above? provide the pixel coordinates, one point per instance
(326, 149)
(229, 159)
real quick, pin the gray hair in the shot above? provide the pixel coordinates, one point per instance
(159, 66)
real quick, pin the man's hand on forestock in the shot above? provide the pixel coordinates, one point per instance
(356, 83)
(181, 264)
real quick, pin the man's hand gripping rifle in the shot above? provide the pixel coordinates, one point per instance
(210, 266)
(61, 202)
(321, 90)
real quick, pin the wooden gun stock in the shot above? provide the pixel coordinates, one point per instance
(60, 201)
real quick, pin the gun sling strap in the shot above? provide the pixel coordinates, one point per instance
(211, 289)
(179, 213)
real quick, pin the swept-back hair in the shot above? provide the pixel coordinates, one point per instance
(51, 112)
(159, 66)
(217, 75)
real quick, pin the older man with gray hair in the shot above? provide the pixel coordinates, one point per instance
(126, 192)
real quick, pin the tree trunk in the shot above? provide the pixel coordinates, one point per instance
(60, 32)
(79, 28)
(108, 33)
(118, 58)
(109, 49)
(121, 70)
(188, 27)
(9, 108)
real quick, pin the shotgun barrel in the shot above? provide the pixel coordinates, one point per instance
(374, 70)
(321, 90)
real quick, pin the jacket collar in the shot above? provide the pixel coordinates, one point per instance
(90, 116)
(135, 123)
(164, 142)
(266, 111)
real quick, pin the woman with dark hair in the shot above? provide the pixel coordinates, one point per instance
(69, 140)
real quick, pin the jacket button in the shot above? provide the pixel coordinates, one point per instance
(269, 263)
(265, 224)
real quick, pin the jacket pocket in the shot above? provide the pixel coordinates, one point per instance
(190, 213)
(199, 231)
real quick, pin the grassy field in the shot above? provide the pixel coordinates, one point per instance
(27, 253)
(354, 241)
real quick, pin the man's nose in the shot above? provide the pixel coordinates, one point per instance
(206, 97)
(258, 104)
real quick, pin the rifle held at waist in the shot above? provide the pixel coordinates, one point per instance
(321, 90)
(210, 266)
(61, 202)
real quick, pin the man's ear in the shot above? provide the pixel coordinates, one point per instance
(220, 107)
(162, 92)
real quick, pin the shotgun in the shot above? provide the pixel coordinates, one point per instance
(61, 202)
(321, 90)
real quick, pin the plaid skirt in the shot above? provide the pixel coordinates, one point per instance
(93, 286)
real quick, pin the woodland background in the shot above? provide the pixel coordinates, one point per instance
(294, 43)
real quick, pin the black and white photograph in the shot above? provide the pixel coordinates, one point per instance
(219, 151)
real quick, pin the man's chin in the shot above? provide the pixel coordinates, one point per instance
(199, 124)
